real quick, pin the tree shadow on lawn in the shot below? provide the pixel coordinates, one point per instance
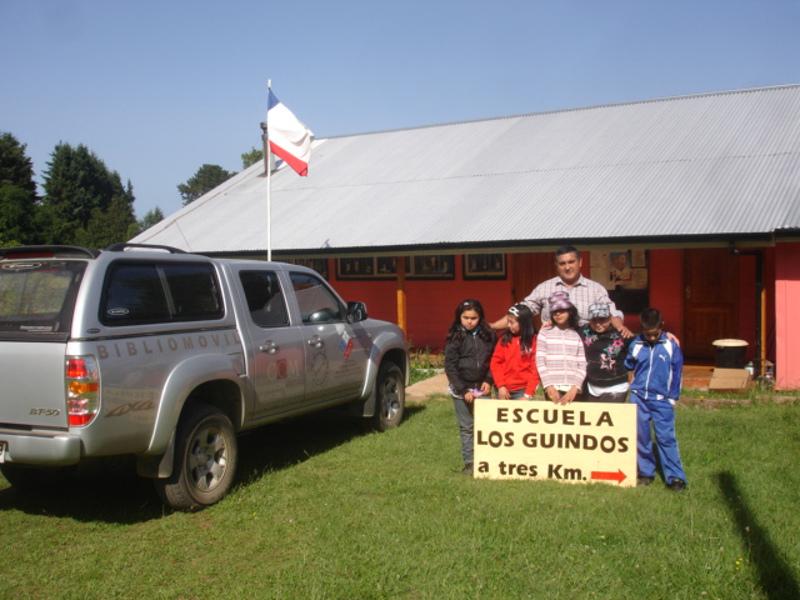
(109, 490)
(774, 574)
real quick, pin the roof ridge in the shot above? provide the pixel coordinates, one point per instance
(573, 109)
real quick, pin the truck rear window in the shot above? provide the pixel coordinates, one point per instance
(37, 297)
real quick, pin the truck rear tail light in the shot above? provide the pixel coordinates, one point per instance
(82, 378)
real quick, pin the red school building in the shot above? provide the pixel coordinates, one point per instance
(705, 293)
(688, 204)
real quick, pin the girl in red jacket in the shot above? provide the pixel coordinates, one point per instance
(513, 363)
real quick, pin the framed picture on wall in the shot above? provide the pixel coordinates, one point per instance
(320, 265)
(485, 266)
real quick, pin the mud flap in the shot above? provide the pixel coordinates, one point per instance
(157, 467)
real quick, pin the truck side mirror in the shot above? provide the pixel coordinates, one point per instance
(356, 311)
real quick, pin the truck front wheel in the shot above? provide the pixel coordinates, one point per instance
(390, 400)
(205, 460)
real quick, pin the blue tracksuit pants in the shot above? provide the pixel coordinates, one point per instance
(662, 415)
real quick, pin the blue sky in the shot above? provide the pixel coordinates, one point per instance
(157, 88)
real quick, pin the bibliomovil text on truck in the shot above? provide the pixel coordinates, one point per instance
(164, 355)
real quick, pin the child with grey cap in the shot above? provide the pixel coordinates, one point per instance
(606, 349)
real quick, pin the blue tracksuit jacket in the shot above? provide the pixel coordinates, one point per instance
(656, 369)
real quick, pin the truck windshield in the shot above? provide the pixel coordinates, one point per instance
(37, 297)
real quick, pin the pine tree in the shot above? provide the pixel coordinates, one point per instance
(204, 180)
(17, 194)
(85, 203)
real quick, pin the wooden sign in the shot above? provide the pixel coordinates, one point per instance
(582, 442)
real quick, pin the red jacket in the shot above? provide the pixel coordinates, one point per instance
(514, 370)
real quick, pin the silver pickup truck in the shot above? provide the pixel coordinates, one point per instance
(164, 355)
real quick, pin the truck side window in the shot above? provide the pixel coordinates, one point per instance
(144, 292)
(134, 294)
(264, 298)
(317, 303)
(194, 291)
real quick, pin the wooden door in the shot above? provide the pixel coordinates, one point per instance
(528, 271)
(711, 283)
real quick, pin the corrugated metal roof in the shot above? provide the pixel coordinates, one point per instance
(706, 165)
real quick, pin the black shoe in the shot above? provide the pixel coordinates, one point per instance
(467, 470)
(644, 481)
(677, 485)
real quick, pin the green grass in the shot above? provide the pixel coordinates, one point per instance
(325, 510)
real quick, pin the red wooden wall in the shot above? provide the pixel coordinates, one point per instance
(431, 303)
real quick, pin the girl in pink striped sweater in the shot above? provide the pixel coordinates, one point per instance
(560, 358)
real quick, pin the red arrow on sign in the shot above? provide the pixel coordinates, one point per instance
(617, 476)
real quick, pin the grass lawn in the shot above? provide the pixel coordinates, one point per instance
(325, 510)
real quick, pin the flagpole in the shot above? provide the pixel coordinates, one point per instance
(269, 178)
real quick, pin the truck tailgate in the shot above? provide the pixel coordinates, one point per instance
(33, 388)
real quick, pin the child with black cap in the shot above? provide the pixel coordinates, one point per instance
(606, 349)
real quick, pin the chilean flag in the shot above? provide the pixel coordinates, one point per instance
(289, 139)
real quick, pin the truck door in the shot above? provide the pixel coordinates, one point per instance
(335, 358)
(275, 349)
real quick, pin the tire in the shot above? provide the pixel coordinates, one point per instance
(390, 397)
(206, 454)
(37, 479)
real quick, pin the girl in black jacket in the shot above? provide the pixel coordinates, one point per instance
(467, 353)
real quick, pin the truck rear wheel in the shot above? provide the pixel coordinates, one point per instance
(206, 454)
(390, 397)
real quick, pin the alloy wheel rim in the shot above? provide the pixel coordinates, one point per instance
(208, 458)
(391, 395)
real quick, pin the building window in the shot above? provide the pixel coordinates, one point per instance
(320, 265)
(362, 268)
(484, 266)
(441, 266)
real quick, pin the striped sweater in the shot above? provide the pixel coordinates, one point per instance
(560, 359)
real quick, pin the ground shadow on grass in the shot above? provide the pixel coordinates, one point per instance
(774, 575)
(110, 491)
(107, 490)
(288, 443)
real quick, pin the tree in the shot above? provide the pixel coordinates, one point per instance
(16, 216)
(251, 157)
(151, 217)
(85, 203)
(17, 193)
(204, 180)
(109, 226)
(15, 168)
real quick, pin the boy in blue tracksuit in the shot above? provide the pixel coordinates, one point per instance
(656, 362)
